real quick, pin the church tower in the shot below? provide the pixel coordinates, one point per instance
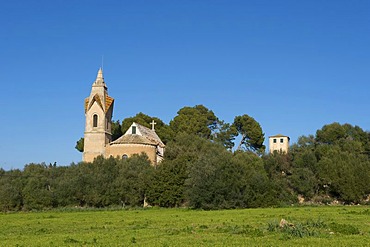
(98, 125)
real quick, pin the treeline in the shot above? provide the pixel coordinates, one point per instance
(200, 171)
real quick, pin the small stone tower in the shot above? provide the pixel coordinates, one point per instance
(98, 113)
(279, 143)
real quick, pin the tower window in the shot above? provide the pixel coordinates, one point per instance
(133, 130)
(274, 140)
(281, 140)
(95, 121)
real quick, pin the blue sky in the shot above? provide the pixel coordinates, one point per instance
(292, 65)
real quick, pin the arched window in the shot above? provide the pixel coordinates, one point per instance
(124, 156)
(95, 121)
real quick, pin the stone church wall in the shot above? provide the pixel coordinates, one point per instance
(130, 149)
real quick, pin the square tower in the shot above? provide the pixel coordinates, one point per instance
(279, 143)
(98, 114)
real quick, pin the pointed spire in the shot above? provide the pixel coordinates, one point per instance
(100, 74)
(99, 78)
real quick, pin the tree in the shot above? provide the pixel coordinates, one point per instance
(345, 175)
(252, 137)
(258, 190)
(133, 179)
(197, 120)
(101, 190)
(202, 122)
(37, 190)
(306, 142)
(205, 189)
(80, 145)
(335, 133)
(304, 182)
(168, 186)
(279, 168)
(331, 133)
(11, 186)
(220, 179)
(224, 134)
(116, 130)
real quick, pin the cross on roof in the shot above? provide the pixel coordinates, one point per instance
(153, 124)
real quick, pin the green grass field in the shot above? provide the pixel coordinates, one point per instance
(310, 226)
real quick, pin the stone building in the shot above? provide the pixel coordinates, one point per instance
(279, 143)
(98, 130)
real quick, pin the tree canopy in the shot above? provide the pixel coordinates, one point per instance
(198, 172)
(252, 137)
(197, 120)
(201, 170)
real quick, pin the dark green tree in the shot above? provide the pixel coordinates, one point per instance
(167, 185)
(102, 192)
(350, 138)
(252, 137)
(38, 189)
(197, 120)
(279, 169)
(224, 134)
(202, 122)
(11, 186)
(134, 178)
(304, 182)
(204, 187)
(116, 130)
(258, 190)
(63, 190)
(345, 175)
(80, 145)
(330, 134)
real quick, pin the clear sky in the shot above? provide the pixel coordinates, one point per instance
(292, 65)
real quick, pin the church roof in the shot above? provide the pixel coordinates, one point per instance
(147, 136)
(133, 139)
(108, 102)
(150, 134)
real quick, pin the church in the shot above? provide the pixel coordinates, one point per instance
(98, 135)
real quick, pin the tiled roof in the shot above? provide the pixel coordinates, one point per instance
(108, 102)
(133, 139)
(279, 135)
(86, 104)
(150, 134)
(147, 136)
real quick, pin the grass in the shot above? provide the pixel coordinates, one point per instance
(309, 226)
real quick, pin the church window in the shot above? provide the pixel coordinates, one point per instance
(133, 130)
(95, 121)
(281, 140)
(274, 140)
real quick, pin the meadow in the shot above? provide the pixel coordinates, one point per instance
(307, 226)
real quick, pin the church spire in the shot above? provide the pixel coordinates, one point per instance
(100, 74)
(99, 78)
